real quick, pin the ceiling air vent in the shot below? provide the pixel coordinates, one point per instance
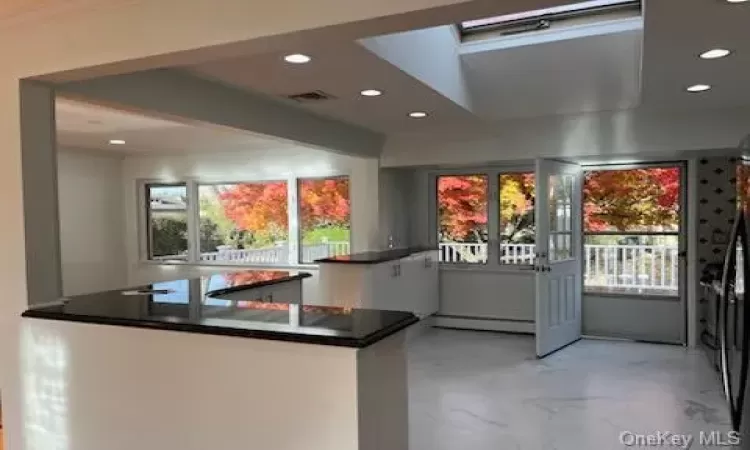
(311, 97)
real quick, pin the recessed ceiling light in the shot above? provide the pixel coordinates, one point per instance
(418, 115)
(698, 88)
(297, 58)
(715, 53)
(371, 92)
(116, 142)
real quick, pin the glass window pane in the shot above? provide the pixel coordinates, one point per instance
(644, 199)
(641, 264)
(561, 216)
(517, 227)
(167, 222)
(244, 223)
(462, 218)
(324, 218)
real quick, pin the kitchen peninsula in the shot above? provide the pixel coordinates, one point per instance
(404, 279)
(209, 367)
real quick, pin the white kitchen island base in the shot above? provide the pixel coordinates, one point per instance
(102, 387)
(393, 280)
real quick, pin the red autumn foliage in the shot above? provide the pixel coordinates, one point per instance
(264, 206)
(614, 200)
(631, 200)
(462, 206)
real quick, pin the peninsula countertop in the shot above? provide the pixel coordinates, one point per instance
(196, 306)
(376, 257)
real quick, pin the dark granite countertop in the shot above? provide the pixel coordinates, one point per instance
(375, 257)
(192, 306)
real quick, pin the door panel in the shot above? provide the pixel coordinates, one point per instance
(558, 268)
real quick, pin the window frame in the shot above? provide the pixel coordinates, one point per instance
(493, 215)
(143, 217)
(681, 233)
(298, 214)
(196, 229)
(544, 18)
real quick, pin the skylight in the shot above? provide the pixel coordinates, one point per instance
(541, 18)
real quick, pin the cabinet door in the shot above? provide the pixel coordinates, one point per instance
(412, 282)
(432, 282)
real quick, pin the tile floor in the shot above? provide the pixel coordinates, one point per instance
(486, 391)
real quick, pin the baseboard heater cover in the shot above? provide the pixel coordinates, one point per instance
(485, 324)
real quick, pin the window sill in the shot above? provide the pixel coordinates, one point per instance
(515, 270)
(632, 295)
(229, 265)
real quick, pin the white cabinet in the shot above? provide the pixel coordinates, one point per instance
(406, 284)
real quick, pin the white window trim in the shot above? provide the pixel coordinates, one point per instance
(193, 219)
(493, 214)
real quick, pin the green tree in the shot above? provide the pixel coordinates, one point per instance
(168, 236)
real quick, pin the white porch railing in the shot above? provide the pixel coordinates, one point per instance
(646, 267)
(276, 255)
(643, 267)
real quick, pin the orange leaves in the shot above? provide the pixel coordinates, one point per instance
(324, 202)
(632, 200)
(258, 207)
(262, 208)
(462, 206)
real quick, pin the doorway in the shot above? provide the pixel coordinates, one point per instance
(634, 252)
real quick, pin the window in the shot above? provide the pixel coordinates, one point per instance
(244, 222)
(276, 222)
(517, 228)
(166, 221)
(543, 18)
(462, 218)
(324, 218)
(476, 209)
(561, 217)
(632, 230)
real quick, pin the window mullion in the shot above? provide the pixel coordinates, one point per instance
(493, 219)
(294, 234)
(193, 222)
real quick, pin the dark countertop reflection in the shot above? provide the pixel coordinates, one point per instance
(195, 306)
(375, 257)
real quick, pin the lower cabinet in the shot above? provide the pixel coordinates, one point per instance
(407, 284)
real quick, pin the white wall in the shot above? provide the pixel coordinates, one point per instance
(429, 55)
(268, 164)
(91, 221)
(609, 135)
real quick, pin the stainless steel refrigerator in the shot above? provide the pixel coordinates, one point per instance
(734, 319)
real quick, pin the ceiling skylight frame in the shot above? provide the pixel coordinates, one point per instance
(529, 21)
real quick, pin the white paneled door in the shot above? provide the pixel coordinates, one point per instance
(558, 259)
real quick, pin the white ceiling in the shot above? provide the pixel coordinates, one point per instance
(342, 70)
(87, 126)
(677, 31)
(595, 73)
(634, 68)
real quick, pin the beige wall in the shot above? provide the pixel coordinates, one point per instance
(116, 31)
